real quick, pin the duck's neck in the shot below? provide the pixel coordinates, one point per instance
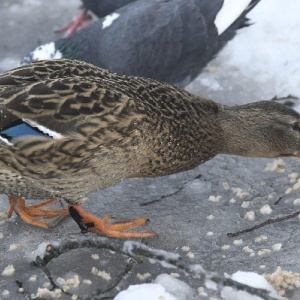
(244, 132)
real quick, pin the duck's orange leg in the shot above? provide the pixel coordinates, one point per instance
(88, 222)
(29, 213)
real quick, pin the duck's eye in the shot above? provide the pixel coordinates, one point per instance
(296, 126)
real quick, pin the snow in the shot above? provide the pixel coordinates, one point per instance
(251, 279)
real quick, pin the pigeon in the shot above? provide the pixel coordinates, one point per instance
(170, 41)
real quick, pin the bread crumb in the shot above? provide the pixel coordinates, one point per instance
(21, 290)
(238, 242)
(266, 210)
(13, 247)
(210, 217)
(102, 274)
(74, 297)
(277, 165)
(260, 238)
(143, 276)
(288, 191)
(296, 186)
(73, 281)
(226, 186)
(87, 281)
(232, 200)
(277, 247)
(248, 250)
(214, 198)
(296, 202)
(209, 233)
(264, 252)
(225, 247)
(44, 292)
(3, 214)
(250, 215)
(240, 193)
(201, 291)
(185, 248)
(5, 292)
(245, 204)
(176, 275)
(95, 256)
(1, 235)
(283, 280)
(190, 255)
(9, 270)
(293, 177)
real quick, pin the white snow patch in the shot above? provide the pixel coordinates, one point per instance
(146, 291)
(44, 129)
(229, 12)
(46, 51)
(251, 279)
(108, 20)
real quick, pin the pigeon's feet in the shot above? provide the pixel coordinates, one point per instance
(90, 223)
(77, 23)
(29, 213)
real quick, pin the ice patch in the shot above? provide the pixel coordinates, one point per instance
(46, 51)
(229, 12)
(108, 20)
(251, 279)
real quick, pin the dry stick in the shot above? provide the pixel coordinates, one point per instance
(134, 249)
(267, 222)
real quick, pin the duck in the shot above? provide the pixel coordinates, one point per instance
(170, 41)
(68, 128)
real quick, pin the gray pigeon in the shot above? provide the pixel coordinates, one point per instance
(167, 40)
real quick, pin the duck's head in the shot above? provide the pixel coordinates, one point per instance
(261, 129)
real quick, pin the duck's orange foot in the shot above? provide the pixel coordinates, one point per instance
(90, 223)
(29, 213)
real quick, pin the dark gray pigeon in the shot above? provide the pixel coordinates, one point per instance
(169, 41)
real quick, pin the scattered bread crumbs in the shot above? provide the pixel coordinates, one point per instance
(214, 198)
(209, 233)
(240, 193)
(44, 292)
(277, 247)
(238, 242)
(176, 275)
(143, 277)
(245, 204)
(250, 215)
(13, 247)
(276, 165)
(32, 278)
(283, 280)
(185, 248)
(201, 292)
(260, 238)
(210, 217)
(262, 252)
(9, 270)
(73, 281)
(102, 274)
(190, 255)
(95, 256)
(248, 250)
(225, 247)
(226, 186)
(266, 210)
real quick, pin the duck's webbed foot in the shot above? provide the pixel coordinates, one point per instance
(29, 213)
(76, 23)
(90, 223)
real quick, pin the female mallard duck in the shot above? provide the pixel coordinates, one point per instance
(68, 128)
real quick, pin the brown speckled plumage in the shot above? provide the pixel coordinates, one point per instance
(114, 127)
